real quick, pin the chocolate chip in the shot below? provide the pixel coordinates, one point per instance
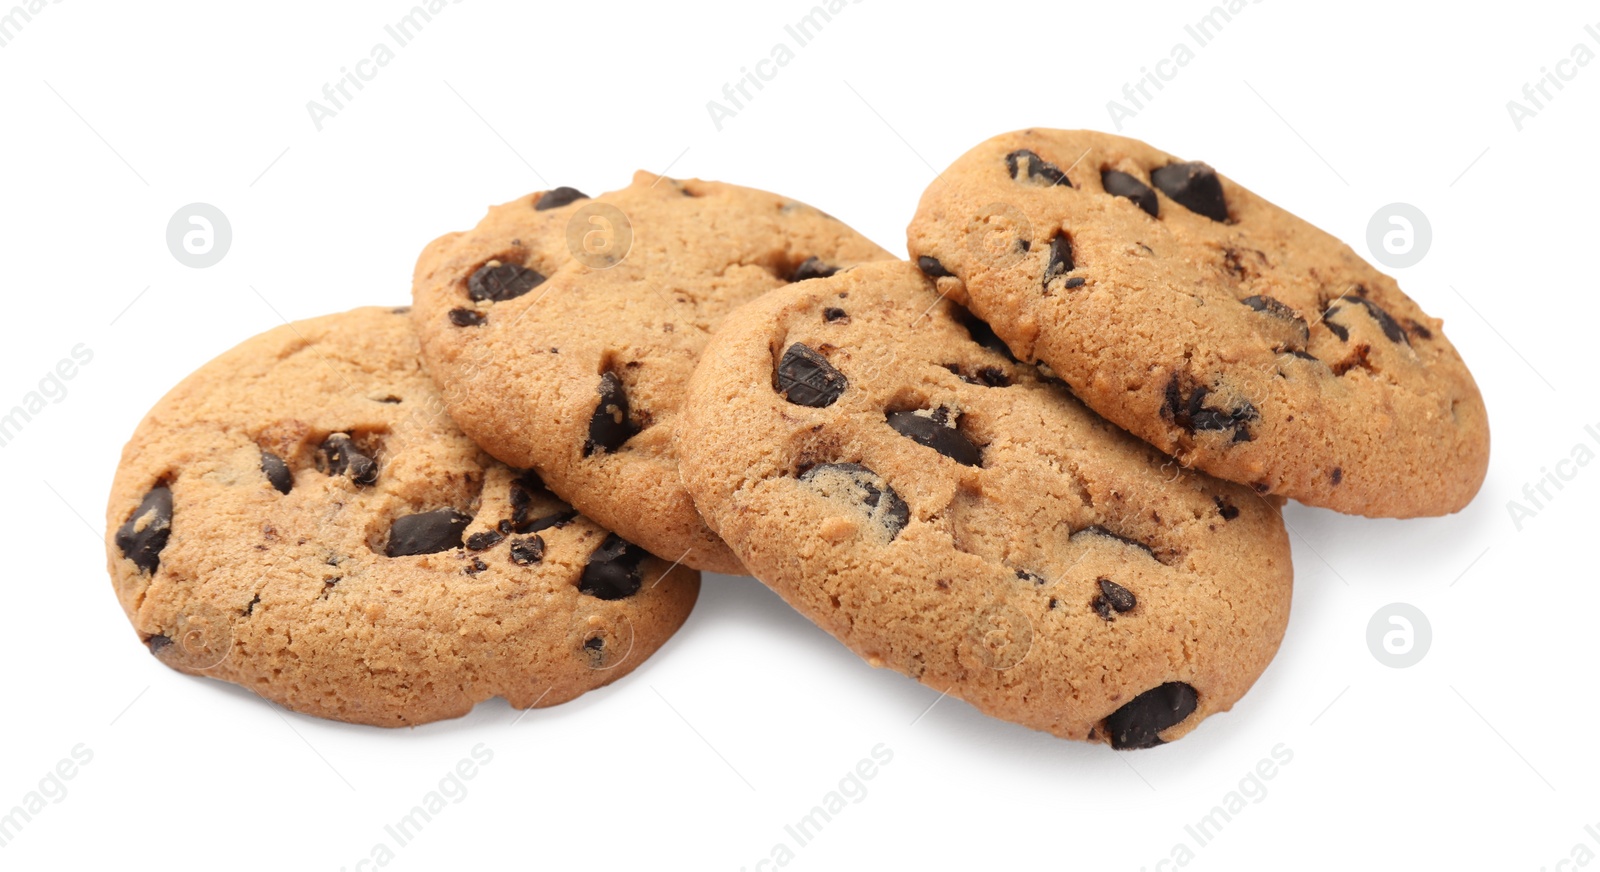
(613, 569)
(1194, 416)
(610, 425)
(505, 527)
(1138, 724)
(982, 333)
(805, 378)
(833, 315)
(1097, 530)
(932, 268)
(340, 456)
(1193, 186)
(426, 532)
(812, 268)
(157, 643)
(1113, 598)
(525, 552)
(1060, 258)
(477, 566)
(1391, 328)
(1036, 168)
(1120, 184)
(856, 483)
(1025, 575)
(937, 431)
(524, 490)
(596, 648)
(146, 531)
(498, 282)
(558, 197)
(987, 376)
(277, 471)
(485, 540)
(1293, 331)
(1075, 282)
(466, 318)
(1227, 510)
(250, 607)
(1337, 476)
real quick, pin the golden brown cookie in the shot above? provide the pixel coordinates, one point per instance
(867, 451)
(562, 330)
(301, 517)
(1215, 325)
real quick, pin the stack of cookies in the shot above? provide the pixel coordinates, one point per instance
(1038, 465)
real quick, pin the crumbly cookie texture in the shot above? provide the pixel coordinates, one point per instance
(870, 451)
(1206, 320)
(301, 517)
(562, 330)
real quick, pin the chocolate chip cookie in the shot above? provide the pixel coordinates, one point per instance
(301, 517)
(1215, 325)
(562, 330)
(872, 453)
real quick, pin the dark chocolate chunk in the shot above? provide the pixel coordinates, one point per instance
(805, 378)
(1060, 258)
(982, 333)
(467, 318)
(833, 315)
(937, 431)
(1391, 328)
(523, 491)
(932, 268)
(1138, 723)
(525, 552)
(1036, 167)
(610, 425)
(1195, 187)
(1075, 282)
(477, 566)
(498, 282)
(485, 540)
(1227, 510)
(988, 376)
(277, 472)
(1025, 575)
(1113, 597)
(1097, 530)
(866, 488)
(1193, 415)
(812, 268)
(613, 569)
(596, 648)
(157, 643)
(1290, 329)
(340, 456)
(146, 531)
(426, 532)
(558, 197)
(1337, 476)
(1120, 184)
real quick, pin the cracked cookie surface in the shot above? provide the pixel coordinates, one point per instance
(1202, 318)
(954, 515)
(301, 517)
(562, 335)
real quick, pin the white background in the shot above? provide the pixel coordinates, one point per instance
(117, 114)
